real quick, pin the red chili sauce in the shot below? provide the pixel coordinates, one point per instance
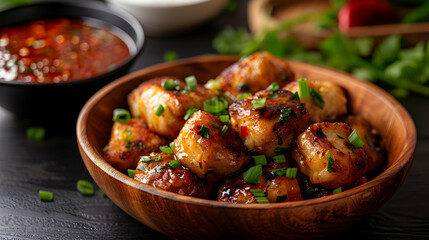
(58, 50)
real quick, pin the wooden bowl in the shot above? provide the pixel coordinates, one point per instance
(184, 217)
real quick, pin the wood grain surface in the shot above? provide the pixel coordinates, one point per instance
(55, 165)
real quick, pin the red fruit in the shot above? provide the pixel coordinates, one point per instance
(364, 12)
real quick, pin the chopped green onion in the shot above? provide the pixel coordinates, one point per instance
(145, 159)
(330, 162)
(158, 159)
(224, 128)
(259, 103)
(46, 196)
(172, 146)
(215, 105)
(170, 84)
(281, 198)
(191, 81)
(131, 173)
(213, 84)
(166, 149)
(105, 148)
(274, 95)
(338, 136)
(355, 139)
(244, 96)
(189, 113)
(128, 145)
(126, 135)
(224, 118)
(260, 160)
(304, 93)
(279, 149)
(317, 98)
(160, 110)
(312, 190)
(337, 190)
(320, 133)
(279, 158)
(296, 96)
(253, 174)
(291, 172)
(259, 196)
(244, 87)
(273, 87)
(174, 164)
(35, 133)
(121, 115)
(85, 187)
(204, 131)
(279, 171)
(369, 141)
(285, 114)
(170, 56)
(141, 168)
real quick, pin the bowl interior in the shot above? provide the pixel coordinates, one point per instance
(316, 217)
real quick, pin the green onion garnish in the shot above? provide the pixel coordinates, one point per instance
(274, 95)
(145, 159)
(285, 113)
(126, 135)
(158, 159)
(320, 133)
(172, 146)
(191, 81)
(281, 198)
(213, 84)
(317, 98)
(279, 158)
(280, 171)
(259, 196)
(46, 196)
(243, 96)
(244, 87)
(35, 133)
(337, 190)
(141, 168)
(128, 145)
(253, 174)
(131, 173)
(170, 84)
(224, 128)
(355, 139)
(204, 131)
(85, 187)
(296, 96)
(338, 136)
(304, 93)
(121, 115)
(279, 149)
(170, 56)
(224, 118)
(273, 87)
(160, 110)
(105, 148)
(260, 160)
(259, 103)
(174, 164)
(189, 113)
(312, 190)
(291, 172)
(330, 162)
(215, 105)
(166, 149)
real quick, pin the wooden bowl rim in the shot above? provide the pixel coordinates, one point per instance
(405, 157)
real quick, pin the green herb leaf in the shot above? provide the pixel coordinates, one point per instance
(204, 131)
(253, 174)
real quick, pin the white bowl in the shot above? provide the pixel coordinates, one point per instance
(170, 17)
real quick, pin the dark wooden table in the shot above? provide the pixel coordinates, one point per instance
(55, 165)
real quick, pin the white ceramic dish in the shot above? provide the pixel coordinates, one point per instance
(170, 17)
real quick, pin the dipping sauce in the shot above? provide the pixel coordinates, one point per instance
(58, 50)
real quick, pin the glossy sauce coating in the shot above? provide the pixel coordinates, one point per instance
(257, 71)
(178, 180)
(279, 189)
(129, 141)
(214, 157)
(58, 50)
(349, 163)
(145, 100)
(263, 130)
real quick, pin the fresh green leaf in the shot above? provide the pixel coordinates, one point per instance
(387, 51)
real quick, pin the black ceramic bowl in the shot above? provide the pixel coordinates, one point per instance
(62, 101)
